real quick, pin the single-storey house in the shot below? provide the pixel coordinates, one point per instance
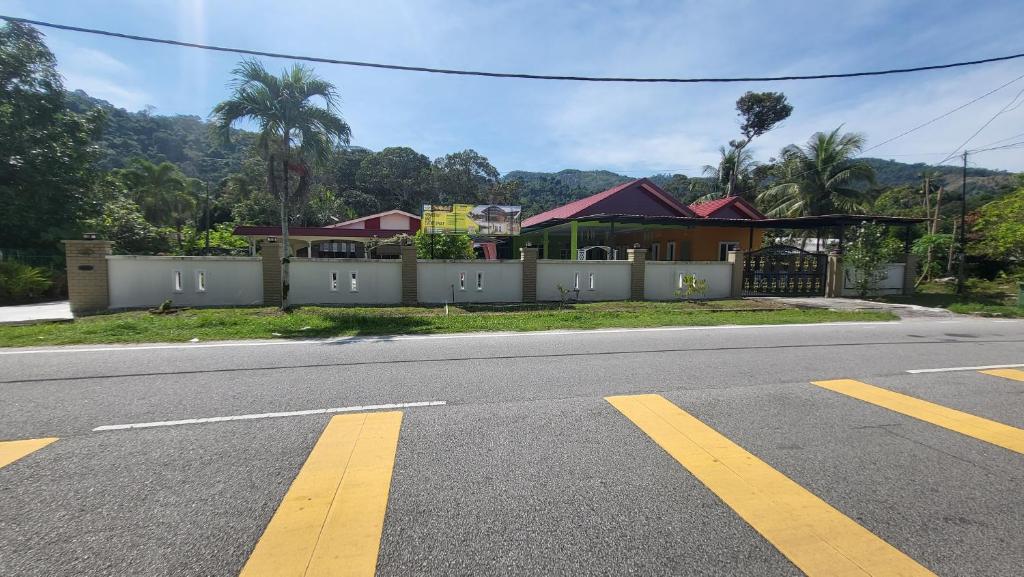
(604, 225)
(340, 240)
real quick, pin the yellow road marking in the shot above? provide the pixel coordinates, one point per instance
(1014, 374)
(331, 518)
(817, 538)
(993, 432)
(11, 451)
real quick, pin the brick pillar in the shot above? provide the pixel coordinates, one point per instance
(910, 274)
(88, 286)
(637, 258)
(834, 280)
(410, 294)
(270, 253)
(735, 258)
(529, 257)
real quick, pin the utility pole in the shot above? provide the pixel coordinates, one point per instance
(207, 251)
(963, 232)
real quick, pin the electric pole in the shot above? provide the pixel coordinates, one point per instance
(961, 278)
(207, 211)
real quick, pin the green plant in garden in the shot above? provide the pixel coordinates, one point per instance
(867, 254)
(443, 246)
(20, 282)
(692, 288)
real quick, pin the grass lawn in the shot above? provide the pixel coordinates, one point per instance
(988, 298)
(312, 322)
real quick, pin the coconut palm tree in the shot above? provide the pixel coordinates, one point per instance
(299, 124)
(822, 177)
(719, 181)
(155, 187)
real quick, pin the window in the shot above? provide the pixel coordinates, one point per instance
(462, 281)
(563, 254)
(655, 252)
(200, 281)
(334, 280)
(592, 278)
(670, 250)
(725, 247)
(353, 282)
(177, 281)
(575, 281)
(479, 281)
(680, 281)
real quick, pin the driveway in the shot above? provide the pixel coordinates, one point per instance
(35, 313)
(903, 311)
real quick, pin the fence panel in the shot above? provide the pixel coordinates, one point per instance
(662, 279)
(147, 281)
(345, 281)
(469, 281)
(889, 280)
(597, 280)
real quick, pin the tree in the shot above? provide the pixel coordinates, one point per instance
(443, 246)
(122, 222)
(999, 229)
(760, 111)
(733, 176)
(819, 178)
(867, 254)
(155, 188)
(398, 176)
(299, 125)
(46, 150)
(465, 177)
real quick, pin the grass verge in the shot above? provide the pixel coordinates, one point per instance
(995, 298)
(316, 322)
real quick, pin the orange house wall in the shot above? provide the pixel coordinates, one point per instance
(703, 241)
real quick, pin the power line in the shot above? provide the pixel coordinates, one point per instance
(984, 126)
(516, 75)
(940, 117)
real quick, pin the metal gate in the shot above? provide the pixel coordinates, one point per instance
(784, 271)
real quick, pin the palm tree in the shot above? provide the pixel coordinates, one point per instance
(299, 123)
(822, 177)
(155, 188)
(733, 176)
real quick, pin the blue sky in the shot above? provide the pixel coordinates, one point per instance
(534, 125)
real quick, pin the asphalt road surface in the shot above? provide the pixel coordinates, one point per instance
(503, 455)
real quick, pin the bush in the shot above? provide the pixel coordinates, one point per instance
(21, 282)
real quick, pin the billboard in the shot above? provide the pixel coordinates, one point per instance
(479, 219)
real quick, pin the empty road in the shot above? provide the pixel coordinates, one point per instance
(854, 449)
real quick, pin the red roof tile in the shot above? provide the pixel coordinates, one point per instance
(708, 209)
(577, 207)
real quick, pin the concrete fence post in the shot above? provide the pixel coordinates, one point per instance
(88, 285)
(910, 274)
(637, 258)
(834, 276)
(410, 292)
(735, 258)
(529, 257)
(270, 256)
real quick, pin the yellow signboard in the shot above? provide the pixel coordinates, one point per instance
(480, 219)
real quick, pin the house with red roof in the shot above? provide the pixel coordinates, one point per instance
(340, 240)
(639, 213)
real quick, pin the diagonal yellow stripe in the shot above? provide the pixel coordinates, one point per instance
(11, 451)
(330, 520)
(1014, 374)
(993, 432)
(816, 537)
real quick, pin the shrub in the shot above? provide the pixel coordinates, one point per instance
(19, 282)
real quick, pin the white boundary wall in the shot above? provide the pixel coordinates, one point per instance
(890, 280)
(661, 279)
(598, 280)
(195, 281)
(330, 281)
(474, 281)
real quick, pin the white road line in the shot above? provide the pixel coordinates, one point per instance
(270, 415)
(481, 335)
(954, 369)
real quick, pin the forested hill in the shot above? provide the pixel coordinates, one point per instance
(187, 142)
